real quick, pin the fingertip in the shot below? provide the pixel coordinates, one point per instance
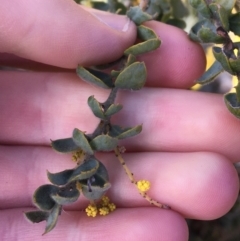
(178, 62)
(123, 224)
(63, 34)
(213, 186)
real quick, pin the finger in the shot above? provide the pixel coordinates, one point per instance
(197, 185)
(72, 40)
(178, 62)
(61, 33)
(123, 224)
(173, 120)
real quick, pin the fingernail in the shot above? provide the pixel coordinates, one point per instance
(117, 22)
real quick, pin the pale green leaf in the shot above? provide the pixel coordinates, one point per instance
(81, 141)
(104, 143)
(211, 73)
(133, 77)
(96, 107)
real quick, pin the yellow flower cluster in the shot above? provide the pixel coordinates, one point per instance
(143, 185)
(103, 211)
(91, 210)
(104, 208)
(78, 156)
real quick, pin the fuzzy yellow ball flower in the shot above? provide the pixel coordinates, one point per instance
(103, 211)
(105, 201)
(143, 185)
(111, 207)
(91, 210)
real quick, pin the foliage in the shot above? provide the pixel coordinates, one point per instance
(90, 177)
(216, 19)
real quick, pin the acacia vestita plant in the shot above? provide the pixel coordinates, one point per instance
(90, 177)
(217, 19)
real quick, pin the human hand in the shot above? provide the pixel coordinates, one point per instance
(186, 149)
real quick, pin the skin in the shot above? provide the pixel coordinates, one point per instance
(187, 147)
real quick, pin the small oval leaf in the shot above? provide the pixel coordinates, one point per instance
(85, 170)
(81, 141)
(145, 33)
(234, 22)
(179, 23)
(66, 196)
(104, 143)
(227, 4)
(96, 107)
(64, 145)
(60, 178)
(235, 64)
(211, 73)
(144, 47)
(121, 133)
(113, 109)
(96, 189)
(220, 14)
(129, 132)
(137, 15)
(205, 32)
(232, 104)
(87, 76)
(222, 58)
(37, 216)
(52, 218)
(133, 77)
(202, 7)
(42, 197)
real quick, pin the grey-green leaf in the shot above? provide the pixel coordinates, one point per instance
(234, 22)
(178, 8)
(97, 188)
(201, 7)
(96, 107)
(232, 104)
(64, 145)
(205, 32)
(85, 170)
(220, 14)
(131, 59)
(100, 5)
(138, 16)
(42, 197)
(133, 77)
(145, 33)
(144, 47)
(102, 172)
(227, 4)
(36, 216)
(81, 141)
(87, 76)
(211, 73)
(130, 132)
(105, 78)
(177, 23)
(222, 58)
(113, 109)
(104, 143)
(122, 133)
(52, 219)
(60, 178)
(66, 197)
(235, 64)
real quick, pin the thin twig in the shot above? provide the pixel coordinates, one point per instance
(132, 179)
